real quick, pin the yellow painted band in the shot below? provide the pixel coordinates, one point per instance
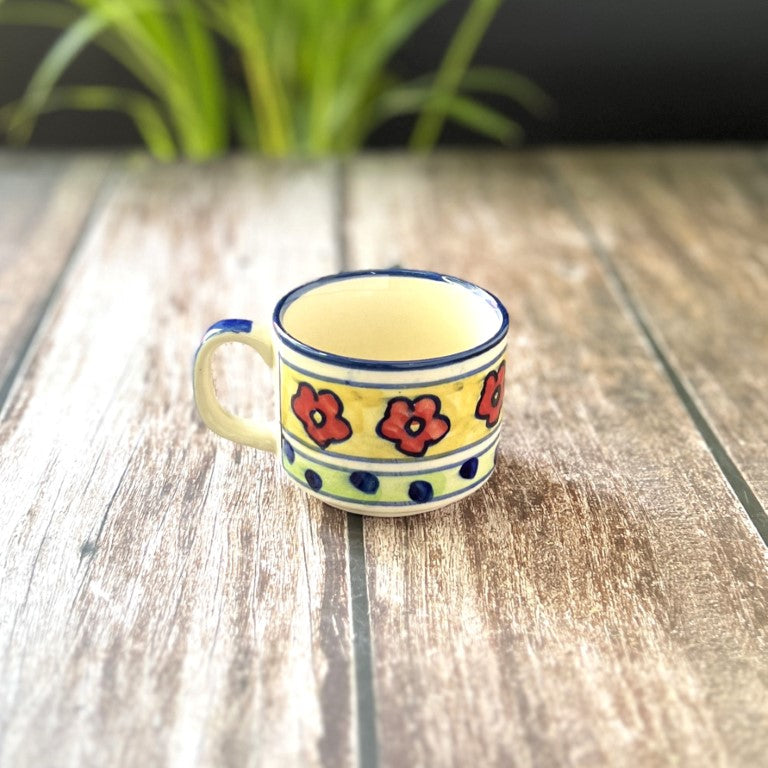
(364, 407)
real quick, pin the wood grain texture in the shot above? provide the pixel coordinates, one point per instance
(688, 233)
(168, 599)
(44, 201)
(604, 599)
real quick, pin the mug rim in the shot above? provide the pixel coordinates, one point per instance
(387, 365)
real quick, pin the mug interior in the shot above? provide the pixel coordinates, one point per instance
(392, 316)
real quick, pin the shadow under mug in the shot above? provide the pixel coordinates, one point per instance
(390, 388)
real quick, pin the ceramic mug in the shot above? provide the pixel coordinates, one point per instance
(390, 387)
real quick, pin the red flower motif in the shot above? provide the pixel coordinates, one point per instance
(489, 405)
(320, 413)
(413, 425)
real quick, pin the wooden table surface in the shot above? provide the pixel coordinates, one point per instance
(167, 598)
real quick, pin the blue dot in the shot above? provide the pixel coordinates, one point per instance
(288, 451)
(313, 479)
(364, 481)
(468, 469)
(420, 491)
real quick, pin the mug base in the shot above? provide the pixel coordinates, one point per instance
(405, 510)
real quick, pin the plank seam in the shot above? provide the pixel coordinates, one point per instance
(733, 475)
(367, 746)
(25, 351)
(340, 211)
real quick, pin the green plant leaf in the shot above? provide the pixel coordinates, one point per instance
(501, 82)
(144, 112)
(466, 111)
(242, 119)
(153, 31)
(482, 119)
(241, 23)
(505, 82)
(460, 51)
(372, 51)
(58, 58)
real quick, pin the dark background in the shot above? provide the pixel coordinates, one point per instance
(618, 71)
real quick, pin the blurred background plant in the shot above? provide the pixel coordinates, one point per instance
(311, 77)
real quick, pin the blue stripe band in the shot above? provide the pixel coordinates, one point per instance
(374, 385)
(422, 471)
(299, 440)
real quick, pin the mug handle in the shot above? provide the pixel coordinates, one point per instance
(246, 431)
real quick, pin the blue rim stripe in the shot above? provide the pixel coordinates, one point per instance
(422, 471)
(391, 461)
(388, 365)
(373, 385)
(408, 503)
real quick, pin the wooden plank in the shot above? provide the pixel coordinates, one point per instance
(44, 201)
(604, 599)
(168, 599)
(687, 232)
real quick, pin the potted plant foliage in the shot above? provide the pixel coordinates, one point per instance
(311, 78)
